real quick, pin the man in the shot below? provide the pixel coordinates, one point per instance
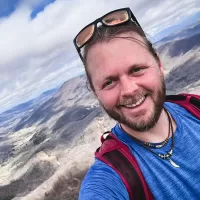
(126, 76)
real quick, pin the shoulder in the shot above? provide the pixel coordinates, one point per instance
(177, 109)
(173, 106)
(102, 182)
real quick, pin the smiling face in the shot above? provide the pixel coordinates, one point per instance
(128, 81)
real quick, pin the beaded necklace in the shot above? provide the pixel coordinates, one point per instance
(157, 146)
(169, 154)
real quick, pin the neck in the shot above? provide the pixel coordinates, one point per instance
(156, 134)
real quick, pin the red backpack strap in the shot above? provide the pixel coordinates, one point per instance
(191, 102)
(118, 156)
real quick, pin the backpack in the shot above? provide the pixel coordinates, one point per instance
(118, 156)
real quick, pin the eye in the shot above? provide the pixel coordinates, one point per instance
(136, 71)
(107, 83)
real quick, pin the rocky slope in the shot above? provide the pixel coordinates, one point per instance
(47, 148)
(11, 117)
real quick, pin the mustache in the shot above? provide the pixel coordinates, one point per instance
(131, 99)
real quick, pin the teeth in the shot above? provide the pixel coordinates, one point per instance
(136, 104)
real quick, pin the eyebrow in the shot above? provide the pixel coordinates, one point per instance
(111, 77)
(116, 77)
(135, 66)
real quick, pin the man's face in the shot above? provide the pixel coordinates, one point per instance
(127, 81)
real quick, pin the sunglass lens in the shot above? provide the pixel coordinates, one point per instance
(117, 17)
(85, 35)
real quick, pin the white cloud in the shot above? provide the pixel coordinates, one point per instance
(38, 54)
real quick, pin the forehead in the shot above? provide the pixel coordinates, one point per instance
(125, 49)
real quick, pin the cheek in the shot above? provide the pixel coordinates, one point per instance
(152, 81)
(108, 98)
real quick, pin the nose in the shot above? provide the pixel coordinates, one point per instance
(128, 87)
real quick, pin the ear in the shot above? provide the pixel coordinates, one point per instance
(160, 66)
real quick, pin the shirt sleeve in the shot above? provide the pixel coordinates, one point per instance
(102, 183)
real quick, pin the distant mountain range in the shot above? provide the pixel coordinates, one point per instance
(187, 32)
(180, 46)
(9, 118)
(71, 96)
(47, 136)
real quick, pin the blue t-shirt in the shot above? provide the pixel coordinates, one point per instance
(164, 180)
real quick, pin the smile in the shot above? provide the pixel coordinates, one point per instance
(139, 102)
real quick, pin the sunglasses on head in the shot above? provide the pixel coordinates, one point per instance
(113, 18)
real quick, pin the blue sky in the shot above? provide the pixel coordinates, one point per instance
(36, 49)
(7, 7)
(40, 7)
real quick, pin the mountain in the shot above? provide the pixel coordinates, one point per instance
(181, 59)
(72, 93)
(50, 144)
(180, 46)
(11, 117)
(187, 32)
(184, 76)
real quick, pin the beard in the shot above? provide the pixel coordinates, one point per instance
(142, 125)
